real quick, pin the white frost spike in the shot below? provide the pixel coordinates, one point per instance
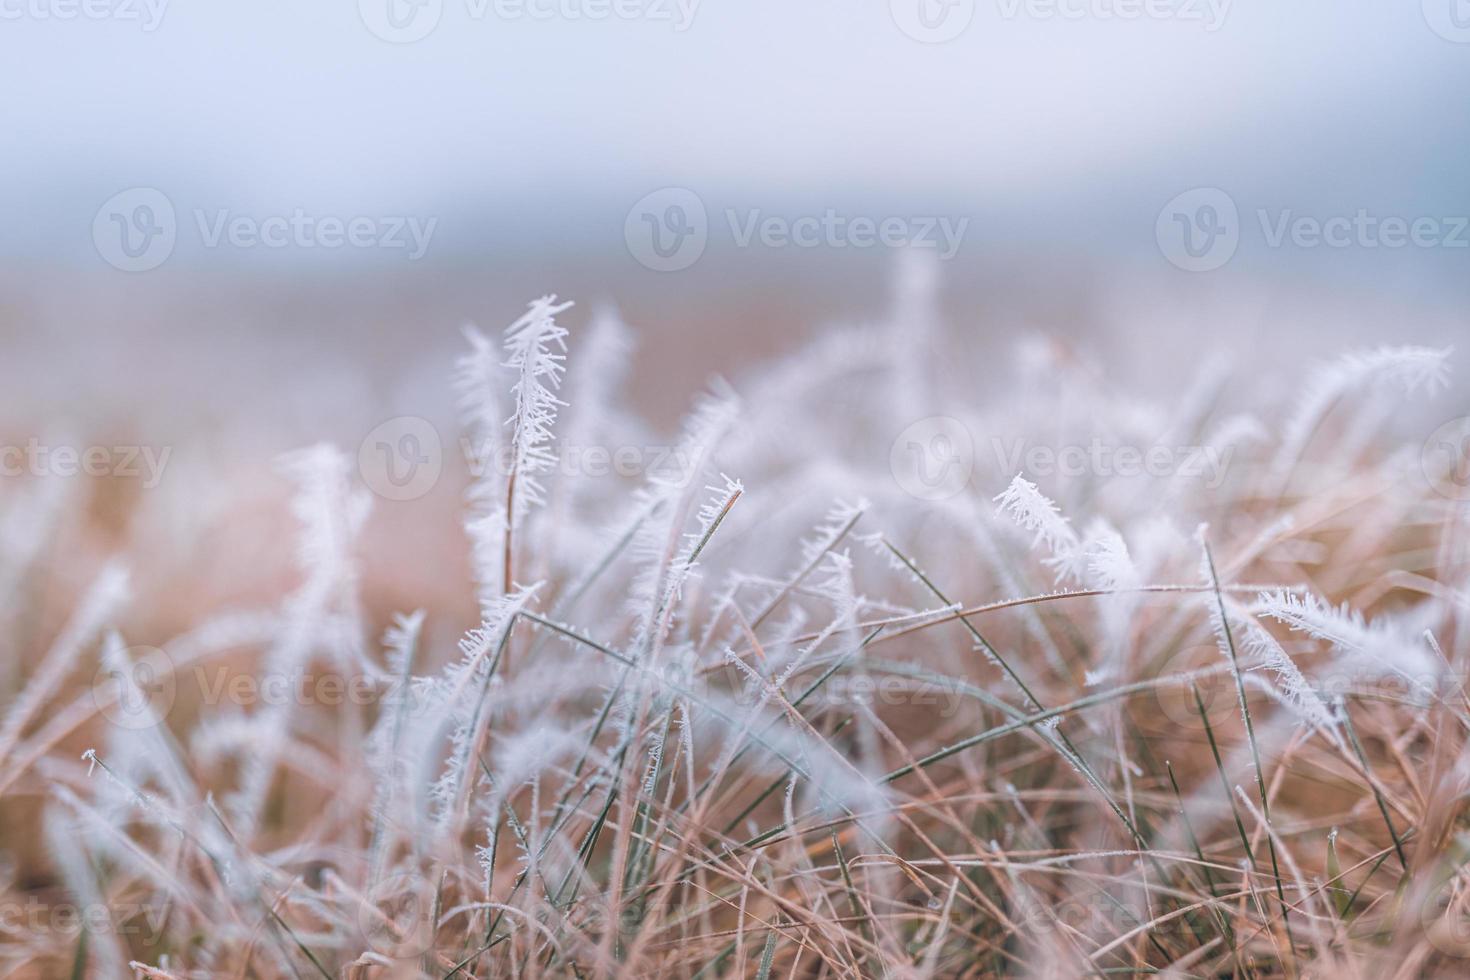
(1411, 368)
(1033, 511)
(837, 587)
(1295, 690)
(664, 562)
(876, 543)
(1346, 630)
(455, 699)
(401, 639)
(1109, 566)
(602, 362)
(721, 499)
(592, 388)
(383, 758)
(331, 511)
(825, 536)
(536, 348)
(477, 379)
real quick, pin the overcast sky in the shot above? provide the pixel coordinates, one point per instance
(1058, 116)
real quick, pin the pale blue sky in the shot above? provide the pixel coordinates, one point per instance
(1068, 129)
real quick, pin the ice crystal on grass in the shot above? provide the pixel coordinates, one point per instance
(1407, 368)
(735, 729)
(1382, 643)
(1034, 512)
(536, 347)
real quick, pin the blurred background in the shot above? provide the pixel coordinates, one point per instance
(233, 229)
(526, 130)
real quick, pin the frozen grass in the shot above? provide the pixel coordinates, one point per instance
(795, 721)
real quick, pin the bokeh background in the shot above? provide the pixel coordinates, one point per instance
(528, 128)
(527, 132)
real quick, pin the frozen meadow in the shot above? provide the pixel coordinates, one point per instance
(884, 663)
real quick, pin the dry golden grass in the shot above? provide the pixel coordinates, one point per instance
(698, 748)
